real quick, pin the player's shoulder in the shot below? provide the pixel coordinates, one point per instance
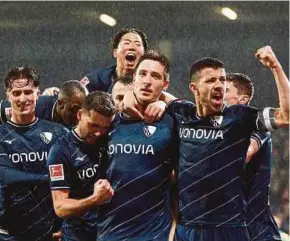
(4, 128)
(182, 108)
(52, 126)
(239, 108)
(101, 72)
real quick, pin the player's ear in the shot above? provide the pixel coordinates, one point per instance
(37, 94)
(60, 104)
(193, 88)
(243, 99)
(165, 84)
(79, 114)
(8, 96)
(115, 53)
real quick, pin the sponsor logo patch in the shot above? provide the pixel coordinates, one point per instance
(56, 172)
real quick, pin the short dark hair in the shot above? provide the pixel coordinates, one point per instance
(125, 80)
(207, 62)
(21, 72)
(100, 102)
(71, 87)
(117, 38)
(242, 82)
(156, 56)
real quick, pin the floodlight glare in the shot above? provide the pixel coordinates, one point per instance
(229, 13)
(108, 20)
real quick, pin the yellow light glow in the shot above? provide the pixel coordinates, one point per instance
(108, 20)
(229, 13)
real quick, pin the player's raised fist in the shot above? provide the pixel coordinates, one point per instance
(102, 191)
(267, 57)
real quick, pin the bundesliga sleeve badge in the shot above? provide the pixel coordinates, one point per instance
(56, 172)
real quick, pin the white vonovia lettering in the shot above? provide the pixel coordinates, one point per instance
(28, 157)
(190, 133)
(130, 149)
(89, 172)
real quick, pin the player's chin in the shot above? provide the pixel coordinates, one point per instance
(91, 140)
(146, 99)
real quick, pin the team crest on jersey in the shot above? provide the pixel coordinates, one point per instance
(46, 137)
(56, 172)
(85, 81)
(216, 120)
(149, 130)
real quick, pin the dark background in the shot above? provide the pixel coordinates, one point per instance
(66, 40)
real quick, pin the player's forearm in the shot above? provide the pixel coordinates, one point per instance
(74, 207)
(166, 97)
(282, 83)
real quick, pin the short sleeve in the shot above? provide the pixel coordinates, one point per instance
(59, 170)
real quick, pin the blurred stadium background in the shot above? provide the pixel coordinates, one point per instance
(66, 40)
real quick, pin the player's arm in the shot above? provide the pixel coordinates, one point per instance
(256, 142)
(51, 91)
(61, 182)
(153, 112)
(279, 116)
(66, 207)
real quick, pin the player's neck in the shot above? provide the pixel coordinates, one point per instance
(120, 71)
(23, 119)
(202, 111)
(78, 132)
(56, 116)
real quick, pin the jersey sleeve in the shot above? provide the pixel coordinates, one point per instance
(260, 137)
(13, 176)
(261, 120)
(179, 107)
(59, 170)
(92, 82)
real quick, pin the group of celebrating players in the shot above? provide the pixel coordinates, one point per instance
(114, 157)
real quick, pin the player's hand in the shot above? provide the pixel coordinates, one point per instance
(267, 57)
(56, 236)
(130, 106)
(103, 191)
(252, 149)
(51, 91)
(154, 111)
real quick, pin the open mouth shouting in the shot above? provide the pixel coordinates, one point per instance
(217, 98)
(130, 59)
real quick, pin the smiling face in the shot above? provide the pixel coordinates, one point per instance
(209, 89)
(129, 51)
(22, 96)
(149, 81)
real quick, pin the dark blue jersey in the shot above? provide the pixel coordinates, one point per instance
(258, 175)
(76, 166)
(211, 163)
(45, 108)
(101, 79)
(28, 211)
(140, 162)
(260, 222)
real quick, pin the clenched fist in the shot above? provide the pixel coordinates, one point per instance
(102, 191)
(267, 57)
